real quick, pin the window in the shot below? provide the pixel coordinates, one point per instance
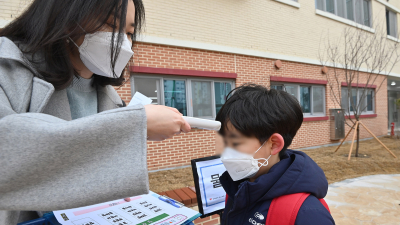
(330, 6)
(359, 11)
(148, 87)
(355, 10)
(201, 98)
(318, 99)
(175, 95)
(221, 90)
(310, 97)
(367, 13)
(349, 9)
(391, 23)
(341, 8)
(305, 99)
(321, 5)
(367, 104)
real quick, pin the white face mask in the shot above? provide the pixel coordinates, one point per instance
(95, 53)
(241, 165)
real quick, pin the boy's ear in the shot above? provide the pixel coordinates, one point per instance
(277, 143)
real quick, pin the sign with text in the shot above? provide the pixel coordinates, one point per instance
(210, 194)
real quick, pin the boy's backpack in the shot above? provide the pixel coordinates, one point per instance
(284, 209)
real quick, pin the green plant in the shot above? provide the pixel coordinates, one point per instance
(398, 102)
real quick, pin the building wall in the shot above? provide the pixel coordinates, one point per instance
(265, 26)
(10, 9)
(199, 143)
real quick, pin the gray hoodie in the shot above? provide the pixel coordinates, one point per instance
(50, 162)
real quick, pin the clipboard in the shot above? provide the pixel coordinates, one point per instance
(147, 209)
(203, 186)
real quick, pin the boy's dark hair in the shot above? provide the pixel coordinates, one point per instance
(258, 112)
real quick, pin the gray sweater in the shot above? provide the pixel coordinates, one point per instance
(49, 161)
(82, 97)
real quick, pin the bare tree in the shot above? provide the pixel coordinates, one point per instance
(359, 58)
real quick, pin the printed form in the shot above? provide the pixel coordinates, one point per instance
(142, 209)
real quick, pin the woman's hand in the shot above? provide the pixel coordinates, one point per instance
(164, 122)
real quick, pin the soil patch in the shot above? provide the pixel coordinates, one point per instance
(335, 165)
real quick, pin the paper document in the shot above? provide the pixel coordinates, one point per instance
(139, 98)
(142, 209)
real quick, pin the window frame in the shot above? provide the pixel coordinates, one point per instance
(163, 93)
(212, 97)
(369, 13)
(334, 6)
(311, 114)
(360, 89)
(294, 3)
(387, 12)
(160, 98)
(188, 88)
(354, 2)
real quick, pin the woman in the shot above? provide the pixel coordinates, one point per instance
(66, 141)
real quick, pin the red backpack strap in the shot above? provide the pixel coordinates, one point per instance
(325, 204)
(284, 209)
(226, 199)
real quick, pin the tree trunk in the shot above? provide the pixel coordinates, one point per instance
(358, 139)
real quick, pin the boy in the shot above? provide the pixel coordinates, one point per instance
(257, 126)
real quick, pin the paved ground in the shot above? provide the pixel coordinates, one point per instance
(366, 200)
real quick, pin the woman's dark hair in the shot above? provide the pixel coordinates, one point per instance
(258, 112)
(46, 26)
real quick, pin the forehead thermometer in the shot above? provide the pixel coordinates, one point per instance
(198, 123)
(195, 123)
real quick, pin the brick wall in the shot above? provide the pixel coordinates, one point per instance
(211, 220)
(200, 143)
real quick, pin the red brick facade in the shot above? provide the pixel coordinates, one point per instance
(199, 143)
(211, 220)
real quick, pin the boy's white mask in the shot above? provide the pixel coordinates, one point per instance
(95, 53)
(242, 165)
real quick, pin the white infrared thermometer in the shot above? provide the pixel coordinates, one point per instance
(197, 123)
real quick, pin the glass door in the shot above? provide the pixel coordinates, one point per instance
(394, 108)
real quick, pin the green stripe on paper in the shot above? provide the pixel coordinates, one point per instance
(153, 220)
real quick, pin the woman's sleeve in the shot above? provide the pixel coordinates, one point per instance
(47, 163)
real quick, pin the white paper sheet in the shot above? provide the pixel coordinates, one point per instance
(139, 98)
(143, 209)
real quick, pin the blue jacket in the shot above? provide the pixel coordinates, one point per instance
(295, 173)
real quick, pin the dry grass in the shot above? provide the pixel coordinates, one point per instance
(335, 165)
(171, 179)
